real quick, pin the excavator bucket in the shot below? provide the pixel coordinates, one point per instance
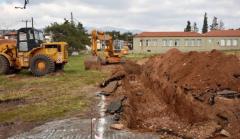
(114, 60)
(92, 63)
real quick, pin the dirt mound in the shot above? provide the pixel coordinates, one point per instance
(193, 94)
(92, 63)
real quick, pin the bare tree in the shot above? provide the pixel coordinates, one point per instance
(221, 25)
(195, 27)
(215, 24)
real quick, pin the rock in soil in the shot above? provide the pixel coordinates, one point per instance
(229, 94)
(111, 87)
(117, 126)
(115, 77)
(116, 106)
(103, 94)
(225, 133)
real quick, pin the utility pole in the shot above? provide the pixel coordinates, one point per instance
(72, 18)
(26, 22)
(32, 22)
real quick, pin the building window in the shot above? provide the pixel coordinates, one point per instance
(198, 42)
(192, 43)
(159, 43)
(234, 42)
(154, 42)
(222, 42)
(228, 43)
(189, 42)
(177, 43)
(186, 42)
(141, 43)
(210, 41)
(147, 42)
(170, 43)
(164, 42)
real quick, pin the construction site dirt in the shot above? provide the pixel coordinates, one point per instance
(182, 95)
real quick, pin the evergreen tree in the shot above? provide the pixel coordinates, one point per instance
(188, 27)
(205, 24)
(214, 25)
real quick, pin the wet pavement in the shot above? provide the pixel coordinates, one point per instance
(75, 128)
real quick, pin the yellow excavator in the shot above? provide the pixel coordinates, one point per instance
(30, 52)
(107, 56)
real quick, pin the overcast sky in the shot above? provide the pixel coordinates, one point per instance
(146, 15)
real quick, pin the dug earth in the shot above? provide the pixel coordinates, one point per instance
(182, 95)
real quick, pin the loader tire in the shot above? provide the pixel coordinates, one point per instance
(59, 67)
(4, 65)
(41, 65)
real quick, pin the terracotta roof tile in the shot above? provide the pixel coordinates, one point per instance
(223, 33)
(11, 34)
(3, 41)
(169, 34)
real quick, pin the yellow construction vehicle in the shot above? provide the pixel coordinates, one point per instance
(108, 56)
(30, 52)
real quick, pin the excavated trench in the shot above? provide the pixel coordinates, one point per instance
(182, 95)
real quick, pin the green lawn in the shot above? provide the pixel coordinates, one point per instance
(33, 99)
(139, 56)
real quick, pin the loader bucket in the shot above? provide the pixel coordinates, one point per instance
(92, 63)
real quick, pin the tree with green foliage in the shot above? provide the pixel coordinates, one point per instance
(127, 36)
(75, 35)
(188, 27)
(115, 34)
(205, 24)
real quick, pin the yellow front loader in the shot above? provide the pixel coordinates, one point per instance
(30, 52)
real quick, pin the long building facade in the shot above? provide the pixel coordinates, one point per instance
(160, 42)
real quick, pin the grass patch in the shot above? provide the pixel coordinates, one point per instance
(232, 52)
(138, 56)
(48, 97)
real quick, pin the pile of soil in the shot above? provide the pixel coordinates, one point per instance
(186, 95)
(92, 63)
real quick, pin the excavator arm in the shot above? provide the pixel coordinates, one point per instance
(96, 60)
(96, 35)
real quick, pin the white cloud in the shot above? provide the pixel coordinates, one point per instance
(154, 15)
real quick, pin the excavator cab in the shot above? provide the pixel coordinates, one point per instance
(28, 39)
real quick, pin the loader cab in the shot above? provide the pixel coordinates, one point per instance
(28, 39)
